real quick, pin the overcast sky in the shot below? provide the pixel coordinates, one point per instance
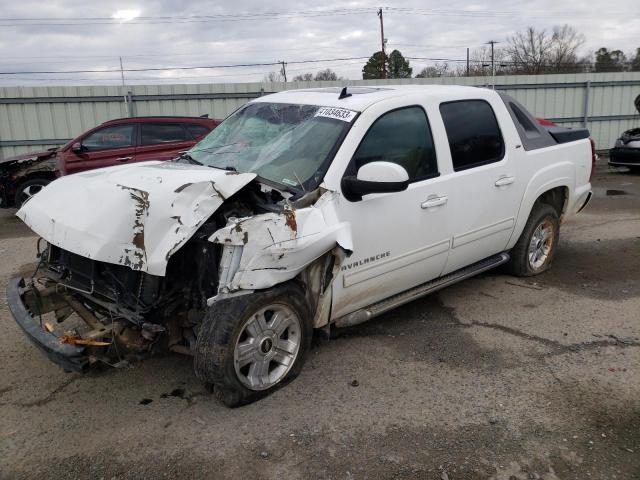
(190, 34)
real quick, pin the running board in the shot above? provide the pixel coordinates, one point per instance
(394, 301)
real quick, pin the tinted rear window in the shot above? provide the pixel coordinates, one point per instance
(155, 133)
(196, 130)
(473, 133)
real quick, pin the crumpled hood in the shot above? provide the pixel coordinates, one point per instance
(132, 215)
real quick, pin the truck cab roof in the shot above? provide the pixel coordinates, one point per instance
(360, 98)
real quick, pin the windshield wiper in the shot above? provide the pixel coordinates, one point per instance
(189, 158)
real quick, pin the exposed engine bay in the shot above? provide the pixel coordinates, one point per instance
(129, 313)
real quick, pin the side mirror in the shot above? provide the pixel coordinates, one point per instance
(76, 147)
(375, 177)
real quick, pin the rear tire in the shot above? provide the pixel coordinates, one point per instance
(251, 345)
(28, 189)
(537, 245)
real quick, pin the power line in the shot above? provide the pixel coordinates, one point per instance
(239, 17)
(200, 67)
(188, 17)
(89, 21)
(163, 55)
(491, 13)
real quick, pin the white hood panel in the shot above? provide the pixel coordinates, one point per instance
(133, 215)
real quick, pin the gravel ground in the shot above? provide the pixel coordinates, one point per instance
(496, 377)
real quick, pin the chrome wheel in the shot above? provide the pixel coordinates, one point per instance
(267, 347)
(541, 244)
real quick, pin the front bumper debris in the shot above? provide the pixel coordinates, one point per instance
(69, 357)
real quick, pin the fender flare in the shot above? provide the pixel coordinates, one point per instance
(554, 176)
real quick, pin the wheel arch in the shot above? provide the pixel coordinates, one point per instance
(45, 174)
(555, 193)
(269, 249)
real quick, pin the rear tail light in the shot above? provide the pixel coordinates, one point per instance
(546, 123)
(593, 158)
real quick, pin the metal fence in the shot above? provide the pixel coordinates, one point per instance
(41, 117)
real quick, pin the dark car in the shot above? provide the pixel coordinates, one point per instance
(626, 151)
(115, 142)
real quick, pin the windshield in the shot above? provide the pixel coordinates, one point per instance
(287, 144)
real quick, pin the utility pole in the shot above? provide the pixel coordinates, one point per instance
(467, 61)
(384, 55)
(127, 105)
(493, 65)
(121, 71)
(284, 71)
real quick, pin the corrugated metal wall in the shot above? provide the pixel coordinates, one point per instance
(34, 118)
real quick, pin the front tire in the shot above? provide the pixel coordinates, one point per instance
(28, 189)
(537, 245)
(251, 345)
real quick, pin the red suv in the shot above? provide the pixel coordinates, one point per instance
(114, 142)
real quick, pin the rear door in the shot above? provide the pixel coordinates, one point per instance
(485, 189)
(162, 140)
(103, 147)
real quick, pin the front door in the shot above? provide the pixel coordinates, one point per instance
(104, 147)
(400, 239)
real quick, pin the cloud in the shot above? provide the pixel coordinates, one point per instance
(127, 14)
(188, 37)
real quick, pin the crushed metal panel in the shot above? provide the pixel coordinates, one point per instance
(278, 246)
(133, 215)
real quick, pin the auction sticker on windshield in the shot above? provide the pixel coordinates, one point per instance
(337, 113)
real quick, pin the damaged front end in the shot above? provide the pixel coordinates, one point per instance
(17, 170)
(81, 311)
(626, 152)
(98, 307)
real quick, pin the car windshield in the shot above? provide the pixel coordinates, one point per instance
(284, 143)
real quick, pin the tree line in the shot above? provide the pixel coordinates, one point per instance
(529, 52)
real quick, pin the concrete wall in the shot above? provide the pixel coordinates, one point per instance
(34, 118)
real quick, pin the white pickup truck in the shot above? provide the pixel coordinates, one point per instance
(303, 210)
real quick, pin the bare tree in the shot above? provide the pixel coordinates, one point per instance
(327, 74)
(273, 77)
(529, 51)
(437, 70)
(303, 77)
(537, 51)
(565, 44)
(480, 62)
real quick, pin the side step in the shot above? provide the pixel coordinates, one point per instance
(431, 286)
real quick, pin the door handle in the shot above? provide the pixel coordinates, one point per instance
(124, 159)
(504, 181)
(434, 201)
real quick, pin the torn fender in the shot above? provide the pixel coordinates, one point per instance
(133, 215)
(275, 247)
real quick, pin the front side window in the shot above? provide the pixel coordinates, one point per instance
(473, 132)
(402, 136)
(288, 144)
(155, 133)
(117, 136)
